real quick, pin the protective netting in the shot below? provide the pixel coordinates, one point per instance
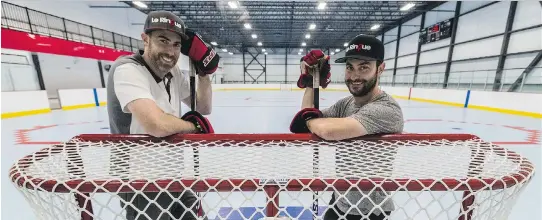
(254, 176)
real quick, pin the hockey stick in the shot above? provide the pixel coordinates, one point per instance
(315, 156)
(192, 74)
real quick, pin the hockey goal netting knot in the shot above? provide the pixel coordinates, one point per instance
(251, 176)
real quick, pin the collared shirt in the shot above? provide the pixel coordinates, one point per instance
(130, 79)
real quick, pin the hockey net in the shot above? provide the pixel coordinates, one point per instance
(255, 176)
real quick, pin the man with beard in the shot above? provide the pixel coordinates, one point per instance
(145, 92)
(368, 111)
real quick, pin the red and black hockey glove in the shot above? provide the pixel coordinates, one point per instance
(202, 124)
(202, 54)
(299, 123)
(305, 79)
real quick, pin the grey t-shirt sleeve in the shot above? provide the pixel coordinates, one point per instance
(380, 117)
(130, 84)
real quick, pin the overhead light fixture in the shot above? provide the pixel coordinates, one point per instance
(332, 53)
(307, 36)
(139, 4)
(345, 44)
(374, 27)
(312, 26)
(230, 53)
(233, 4)
(247, 26)
(407, 7)
(214, 43)
(337, 50)
(254, 36)
(263, 50)
(224, 50)
(265, 53)
(303, 44)
(301, 50)
(299, 53)
(259, 43)
(321, 5)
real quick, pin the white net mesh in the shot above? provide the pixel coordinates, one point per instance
(255, 176)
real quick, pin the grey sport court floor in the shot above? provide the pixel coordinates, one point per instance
(271, 112)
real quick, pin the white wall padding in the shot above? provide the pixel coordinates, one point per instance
(475, 71)
(487, 21)
(411, 26)
(389, 49)
(516, 64)
(408, 44)
(479, 48)
(404, 75)
(433, 17)
(528, 14)
(527, 40)
(431, 73)
(440, 43)
(391, 35)
(434, 56)
(409, 60)
(470, 5)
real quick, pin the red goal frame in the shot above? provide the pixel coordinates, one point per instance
(84, 188)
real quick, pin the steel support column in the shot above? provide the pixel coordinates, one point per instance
(100, 68)
(452, 42)
(245, 67)
(286, 65)
(497, 83)
(418, 52)
(521, 78)
(37, 66)
(396, 54)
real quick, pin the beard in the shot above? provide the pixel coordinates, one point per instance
(366, 86)
(162, 61)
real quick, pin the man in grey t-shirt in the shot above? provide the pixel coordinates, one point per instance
(368, 111)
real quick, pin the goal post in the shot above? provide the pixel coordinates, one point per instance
(253, 176)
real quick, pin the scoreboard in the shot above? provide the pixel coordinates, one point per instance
(438, 31)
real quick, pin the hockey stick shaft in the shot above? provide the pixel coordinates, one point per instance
(315, 156)
(192, 70)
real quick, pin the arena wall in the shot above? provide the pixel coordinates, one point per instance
(472, 61)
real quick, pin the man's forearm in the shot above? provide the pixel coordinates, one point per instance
(169, 124)
(308, 99)
(204, 95)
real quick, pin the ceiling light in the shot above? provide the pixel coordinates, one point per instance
(407, 7)
(301, 50)
(259, 43)
(230, 53)
(224, 50)
(299, 53)
(307, 36)
(265, 53)
(345, 44)
(303, 44)
(374, 27)
(232, 4)
(322, 5)
(332, 53)
(263, 50)
(337, 50)
(312, 26)
(247, 26)
(254, 36)
(139, 4)
(214, 43)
